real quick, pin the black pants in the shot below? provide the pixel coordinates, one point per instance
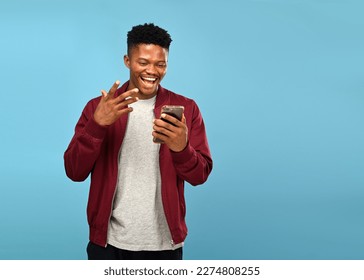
(96, 252)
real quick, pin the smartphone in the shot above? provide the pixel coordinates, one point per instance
(172, 110)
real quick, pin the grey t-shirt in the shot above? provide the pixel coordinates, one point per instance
(138, 221)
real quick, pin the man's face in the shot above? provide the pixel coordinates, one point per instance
(148, 65)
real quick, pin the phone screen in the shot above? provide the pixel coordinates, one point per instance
(174, 111)
(173, 114)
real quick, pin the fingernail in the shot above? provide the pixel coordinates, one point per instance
(117, 82)
(136, 98)
(163, 115)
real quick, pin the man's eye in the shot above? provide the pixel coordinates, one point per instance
(161, 65)
(143, 63)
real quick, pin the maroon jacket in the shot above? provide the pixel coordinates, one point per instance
(95, 149)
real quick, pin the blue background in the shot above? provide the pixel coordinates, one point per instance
(280, 85)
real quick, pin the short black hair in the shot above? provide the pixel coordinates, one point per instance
(148, 33)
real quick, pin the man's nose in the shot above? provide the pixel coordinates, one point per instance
(151, 69)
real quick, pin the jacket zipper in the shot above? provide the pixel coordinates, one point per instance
(113, 197)
(117, 180)
(112, 205)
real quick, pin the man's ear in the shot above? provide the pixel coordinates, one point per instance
(127, 61)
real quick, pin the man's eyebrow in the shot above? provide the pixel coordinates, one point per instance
(146, 59)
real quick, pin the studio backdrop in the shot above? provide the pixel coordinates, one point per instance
(280, 86)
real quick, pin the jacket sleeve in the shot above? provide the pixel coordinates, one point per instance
(84, 148)
(194, 163)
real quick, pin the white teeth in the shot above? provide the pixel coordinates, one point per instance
(149, 79)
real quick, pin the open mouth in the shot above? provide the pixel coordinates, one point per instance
(149, 80)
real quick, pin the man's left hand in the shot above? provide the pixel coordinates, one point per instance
(174, 136)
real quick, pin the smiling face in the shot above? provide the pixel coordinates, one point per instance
(148, 65)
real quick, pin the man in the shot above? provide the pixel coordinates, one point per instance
(136, 207)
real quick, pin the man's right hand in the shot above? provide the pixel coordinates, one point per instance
(111, 107)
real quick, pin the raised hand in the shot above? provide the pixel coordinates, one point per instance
(111, 107)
